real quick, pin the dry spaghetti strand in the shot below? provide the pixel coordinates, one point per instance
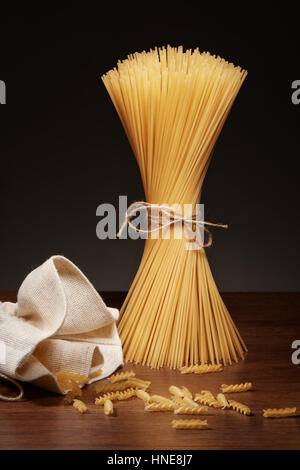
(173, 105)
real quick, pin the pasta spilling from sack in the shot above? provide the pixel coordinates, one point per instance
(173, 105)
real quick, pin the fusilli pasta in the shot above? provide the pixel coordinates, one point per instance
(239, 407)
(160, 399)
(143, 395)
(244, 387)
(189, 424)
(186, 392)
(80, 406)
(109, 387)
(160, 407)
(201, 369)
(108, 407)
(279, 412)
(207, 398)
(113, 396)
(119, 377)
(188, 410)
(176, 391)
(189, 402)
(223, 401)
(178, 402)
(138, 383)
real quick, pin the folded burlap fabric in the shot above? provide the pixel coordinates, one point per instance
(59, 323)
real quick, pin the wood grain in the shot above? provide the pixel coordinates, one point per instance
(269, 324)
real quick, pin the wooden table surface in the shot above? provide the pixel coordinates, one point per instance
(269, 323)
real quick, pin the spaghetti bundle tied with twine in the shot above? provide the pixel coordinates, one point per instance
(162, 217)
(173, 105)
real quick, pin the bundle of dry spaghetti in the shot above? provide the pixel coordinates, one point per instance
(173, 105)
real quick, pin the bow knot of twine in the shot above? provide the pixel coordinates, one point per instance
(173, 217)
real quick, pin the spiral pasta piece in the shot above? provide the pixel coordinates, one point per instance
(138, 383)
(176, 391)
(239, 407)
(201, 369)
(119, 377)
(80, 406)
(244, 387)
(160, 399)
(208, 393)
(160, 407)
(187, 393)
(178, 402)
(189, 424)
(109, 387)
(207, 398)
(223, 401)
(189, 402)
(143, 395)
(189, 410)
(108, 408)
(183, 394)
(113, 396)
(279, 412)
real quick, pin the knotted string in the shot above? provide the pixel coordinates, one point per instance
(173, 217)
(14, 382)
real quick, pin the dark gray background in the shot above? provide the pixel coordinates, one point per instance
(64, 152)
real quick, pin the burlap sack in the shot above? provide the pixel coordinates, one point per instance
(59, 323)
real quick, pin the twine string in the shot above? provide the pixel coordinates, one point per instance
(14, 382)
(173, 218)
